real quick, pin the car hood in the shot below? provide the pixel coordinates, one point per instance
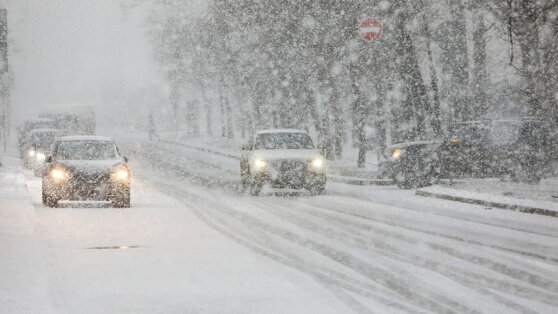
(294, 154)
(90, 166)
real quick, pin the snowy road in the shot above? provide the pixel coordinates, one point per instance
(357, 249)
(175, 263)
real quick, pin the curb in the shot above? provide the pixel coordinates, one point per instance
(357, 181)
(514, 207)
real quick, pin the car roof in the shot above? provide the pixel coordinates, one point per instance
(45, 131)
(415, 143)
(280, 131)
(84, 138)
(33, 120)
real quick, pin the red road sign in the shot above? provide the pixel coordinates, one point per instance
(370, 29)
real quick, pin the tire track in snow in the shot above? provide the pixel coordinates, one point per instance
(435, 234)
(350, 235)
(256, 243)
(370, 271)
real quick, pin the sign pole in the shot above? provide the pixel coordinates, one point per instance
(4, 76)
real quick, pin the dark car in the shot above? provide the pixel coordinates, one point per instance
(283, 159)
(85, 168)
(413, 164)
(521, 149)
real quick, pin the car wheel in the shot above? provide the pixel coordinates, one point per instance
(400, 179)
(255, 188)
(48, 199)
(317, 189)
(122, 199)
(526, 177)
(244, 181)
(532, 178)
(121, 202)
(45, 196)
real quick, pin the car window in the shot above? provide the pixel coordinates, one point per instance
(86, 150)
(468, 134)
(504, 133)
(534, 134)
(284, 141)
(43, 141)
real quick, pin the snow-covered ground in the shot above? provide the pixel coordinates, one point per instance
(63, 260)
(204, 247)
(545, 191)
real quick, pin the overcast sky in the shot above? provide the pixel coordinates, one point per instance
(81, 51)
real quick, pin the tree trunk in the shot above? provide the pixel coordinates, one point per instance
(174, 98)
(416, 102)
(480, 76)
(222, 107)
(435, 108)
(528, 37)
(207, 107)
(229, 118)
(359, 121)
(463, 106)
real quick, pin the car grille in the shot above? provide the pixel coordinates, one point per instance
(90, 178)
(290, 168)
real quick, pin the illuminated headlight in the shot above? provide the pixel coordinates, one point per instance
(318, 163)
(41, 157)
(31, 153)
(122, 174)
(58, 174)
(259, 164)
(397, 153)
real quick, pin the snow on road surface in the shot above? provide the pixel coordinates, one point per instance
(172, 263)
(357, 249)
(380, 248)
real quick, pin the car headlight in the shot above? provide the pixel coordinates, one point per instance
(318, 163)
(259, 164)
(396, 153)
(41, 157)
(31, 153)
(122, 174)
(58, 174)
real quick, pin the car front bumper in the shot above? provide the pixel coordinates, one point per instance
(73, 190)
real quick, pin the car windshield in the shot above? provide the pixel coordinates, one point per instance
(86, 150)
(283, 141)
(535, 134)
(469, 133)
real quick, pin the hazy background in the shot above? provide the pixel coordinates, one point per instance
(84, 51)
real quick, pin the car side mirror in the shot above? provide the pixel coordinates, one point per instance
(48, 159)
(246, 147)
(125, 159)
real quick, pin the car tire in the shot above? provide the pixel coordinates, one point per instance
(317, 189)
(532, 178)
(255, 188)
(122, 199)
(525, 177)
(48, 199)
(402, 180)
(244, 181)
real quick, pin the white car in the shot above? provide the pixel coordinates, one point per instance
(283, 159)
